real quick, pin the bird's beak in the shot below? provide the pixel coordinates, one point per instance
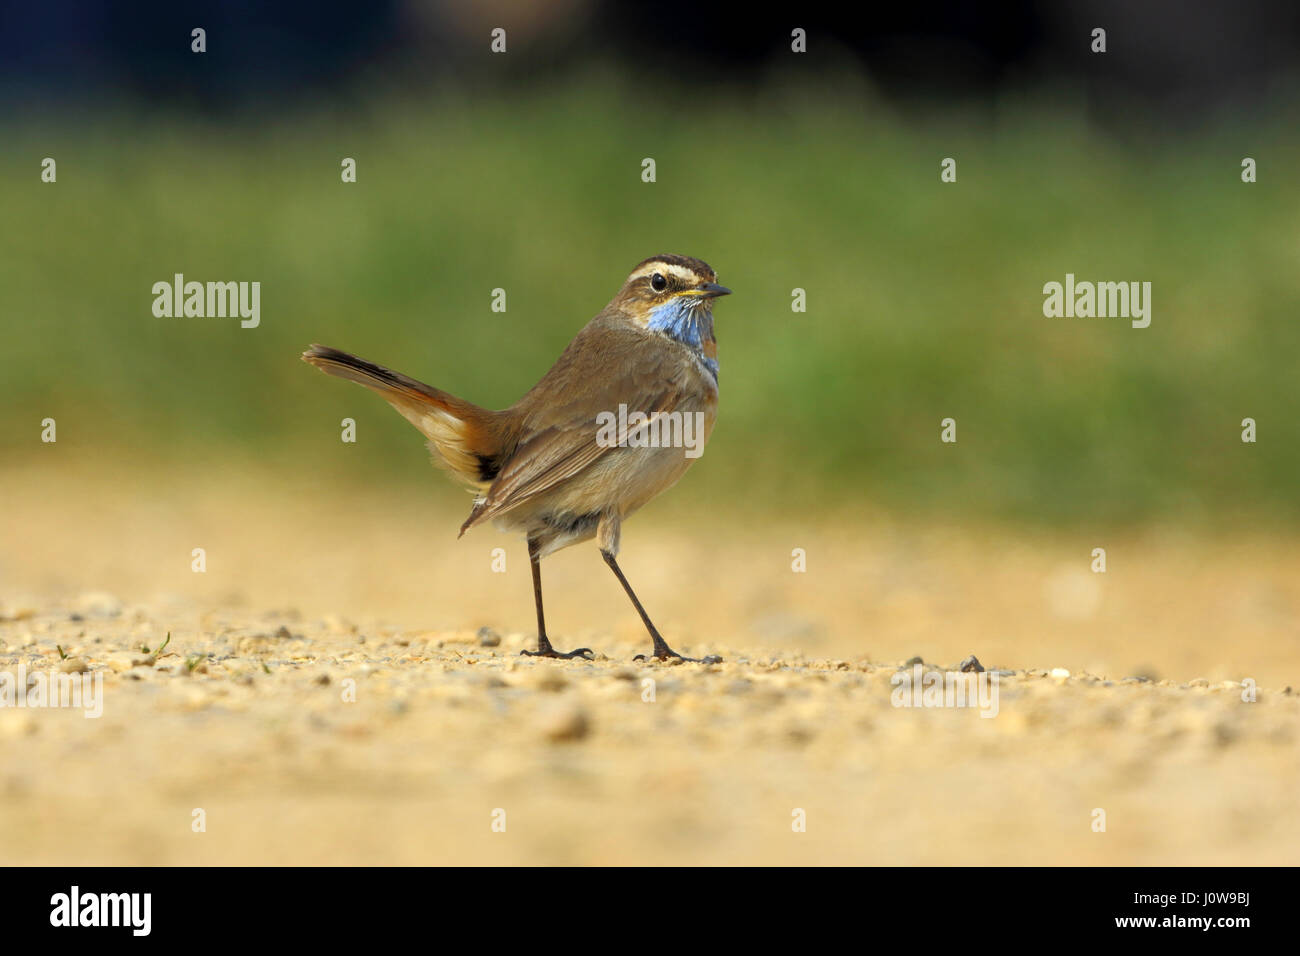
(711, 290)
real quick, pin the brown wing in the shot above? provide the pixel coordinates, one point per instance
(603, 367)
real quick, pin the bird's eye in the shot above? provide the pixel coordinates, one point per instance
(658, 282)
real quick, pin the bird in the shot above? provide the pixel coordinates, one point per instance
(584, 448)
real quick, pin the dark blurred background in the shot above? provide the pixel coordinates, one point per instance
(1170, 60)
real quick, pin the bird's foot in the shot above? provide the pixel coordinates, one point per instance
(662, 652)
(544, 649)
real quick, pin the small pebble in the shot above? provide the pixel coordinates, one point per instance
(99, 604)
(564, 721)
(550, 679)
(338, 624)
(121, 661)
(16, 723)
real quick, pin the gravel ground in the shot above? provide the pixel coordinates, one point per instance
(299, 740)
(327, 697)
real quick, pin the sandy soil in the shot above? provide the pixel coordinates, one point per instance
(327, 695)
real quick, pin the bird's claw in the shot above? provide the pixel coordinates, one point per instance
(585, 653)
(670, 655)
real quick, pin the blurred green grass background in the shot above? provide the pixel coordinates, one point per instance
(924, 299)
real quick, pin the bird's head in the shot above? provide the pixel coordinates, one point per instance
(673, 295)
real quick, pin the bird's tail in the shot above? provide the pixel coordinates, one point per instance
(468, 441)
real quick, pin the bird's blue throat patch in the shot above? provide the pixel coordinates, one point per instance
(690, 326)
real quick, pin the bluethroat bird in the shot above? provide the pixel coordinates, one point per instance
(584, 448)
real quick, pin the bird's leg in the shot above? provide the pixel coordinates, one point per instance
(661, 649)
(544, 648)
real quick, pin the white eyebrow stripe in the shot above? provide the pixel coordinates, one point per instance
(667, 268)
